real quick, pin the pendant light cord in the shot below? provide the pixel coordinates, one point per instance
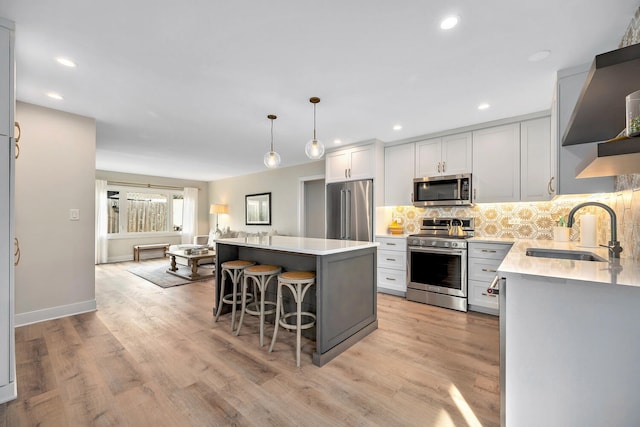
(272, 135)
(314, 122)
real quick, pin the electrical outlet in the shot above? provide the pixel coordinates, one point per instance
(74, 214)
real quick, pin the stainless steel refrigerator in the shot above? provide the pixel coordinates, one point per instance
(350, 210)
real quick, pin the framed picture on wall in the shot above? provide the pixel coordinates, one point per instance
(257, 209)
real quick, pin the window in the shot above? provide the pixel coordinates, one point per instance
(144, 211)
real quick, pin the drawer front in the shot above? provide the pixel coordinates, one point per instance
(478, 295)
(488, 250)
(392, 259)
(392, 244)
(483, 269)
(392, 279)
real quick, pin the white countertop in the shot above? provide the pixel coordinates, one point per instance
(627, 272)
(301, 245)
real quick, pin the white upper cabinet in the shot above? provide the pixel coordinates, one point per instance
(398, 174)
(567, 159)
(496, 164)
(448, 155)
(6, 80)
(536, 179)
(351, 164)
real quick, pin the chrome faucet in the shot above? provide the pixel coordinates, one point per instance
(614, 245)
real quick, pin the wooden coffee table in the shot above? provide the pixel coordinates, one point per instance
(192, 261)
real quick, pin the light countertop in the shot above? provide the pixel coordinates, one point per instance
(626, 272)
(301, 245)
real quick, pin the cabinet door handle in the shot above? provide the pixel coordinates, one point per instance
(390, 244)
(391, 279)
(349, 172)
(17, 138)
(475, 193)
(488, 270)
(443, 163)
(439, 167)
(391, 259)
(16, 253)
(345, 174)
(491, 251)
(489, 295)
(550, 188)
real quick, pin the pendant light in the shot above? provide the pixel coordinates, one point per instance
(272, 159)
(314, 148)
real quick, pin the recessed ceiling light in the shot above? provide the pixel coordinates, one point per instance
(483, 106)
(337, 141)
(66, 62)
(397, 127)
(54, 95)
(449, 22)
(539, 56)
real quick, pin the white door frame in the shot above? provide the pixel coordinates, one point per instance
(301, 211)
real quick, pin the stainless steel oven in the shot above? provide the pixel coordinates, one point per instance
(437, 262)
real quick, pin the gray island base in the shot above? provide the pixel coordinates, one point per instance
(345, 292)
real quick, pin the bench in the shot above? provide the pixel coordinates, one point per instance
(155, 246)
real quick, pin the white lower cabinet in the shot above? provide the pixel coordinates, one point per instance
(484, 258)
(392, 265)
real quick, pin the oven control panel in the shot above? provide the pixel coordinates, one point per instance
(427, 242)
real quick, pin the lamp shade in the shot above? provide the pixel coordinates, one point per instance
(218, 209)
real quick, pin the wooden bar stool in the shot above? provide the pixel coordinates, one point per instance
(234, 270)
(298, 282)
(260, 276)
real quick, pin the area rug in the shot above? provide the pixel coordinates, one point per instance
(158, 274)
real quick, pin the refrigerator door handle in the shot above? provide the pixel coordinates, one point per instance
(342, 212)
(347, 218)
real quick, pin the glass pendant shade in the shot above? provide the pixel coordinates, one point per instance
(272, 160)
(314, 149)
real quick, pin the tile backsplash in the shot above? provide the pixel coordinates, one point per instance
(534, 220)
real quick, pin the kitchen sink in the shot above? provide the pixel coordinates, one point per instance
(564, 254)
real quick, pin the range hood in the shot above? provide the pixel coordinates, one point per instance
(599, 114)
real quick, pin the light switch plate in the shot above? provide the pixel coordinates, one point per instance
(74, 214)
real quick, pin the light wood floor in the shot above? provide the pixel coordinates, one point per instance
(153, 356)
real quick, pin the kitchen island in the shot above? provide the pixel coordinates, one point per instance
(568, 338)
(345, 292)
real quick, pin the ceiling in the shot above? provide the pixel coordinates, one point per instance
(183, 89)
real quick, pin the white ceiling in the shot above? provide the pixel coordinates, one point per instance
(183, 89)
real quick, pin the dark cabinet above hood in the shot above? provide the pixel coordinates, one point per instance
(599, 114)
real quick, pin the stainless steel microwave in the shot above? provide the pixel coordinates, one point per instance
(449, 190)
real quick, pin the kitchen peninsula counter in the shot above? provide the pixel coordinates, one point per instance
(345, 292)
(568, 338)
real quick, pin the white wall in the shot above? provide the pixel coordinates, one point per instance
(54, 173)
(121, 249)
(282, 183)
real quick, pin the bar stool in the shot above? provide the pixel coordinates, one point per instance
(234, 270)
(298, 283)
(260, 276)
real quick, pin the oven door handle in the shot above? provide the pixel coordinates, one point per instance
(460, 252)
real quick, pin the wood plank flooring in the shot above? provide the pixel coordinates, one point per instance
(154, 357)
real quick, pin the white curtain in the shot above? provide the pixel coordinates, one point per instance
(189, 214)
(102, 211)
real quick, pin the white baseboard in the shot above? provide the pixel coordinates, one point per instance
(8, 392)
(23, 319)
